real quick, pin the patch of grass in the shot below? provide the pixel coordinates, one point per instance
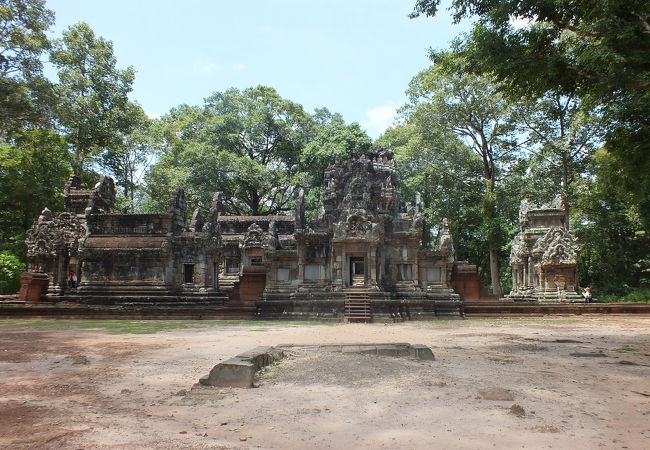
(140, 326)
(626, 349)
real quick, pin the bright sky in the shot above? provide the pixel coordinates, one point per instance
(354, 57)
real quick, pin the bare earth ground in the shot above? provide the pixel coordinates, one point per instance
(579, 384)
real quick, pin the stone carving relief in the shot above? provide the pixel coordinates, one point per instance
(254, 237)
(51, 237)
(444, 241)
(357, 226)
(557, 247)
(102, 197)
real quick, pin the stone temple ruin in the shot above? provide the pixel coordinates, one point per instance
(361, 256)
(544, 255)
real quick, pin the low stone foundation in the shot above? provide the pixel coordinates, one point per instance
(240, 371)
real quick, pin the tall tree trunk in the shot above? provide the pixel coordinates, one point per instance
(490, 219)
(494, 268)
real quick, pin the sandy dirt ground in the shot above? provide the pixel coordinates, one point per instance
(564, 383)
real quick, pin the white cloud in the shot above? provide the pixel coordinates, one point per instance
(152, 116)
(238, 67)
(210, 67)
(379, 119)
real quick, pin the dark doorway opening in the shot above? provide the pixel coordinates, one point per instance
(189, 273)
(357, 271)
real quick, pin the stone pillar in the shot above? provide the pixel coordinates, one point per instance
(301, 264)
(345, 269)
(416, 272)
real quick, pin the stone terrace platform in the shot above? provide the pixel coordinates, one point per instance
(519, 309)
(12, 308)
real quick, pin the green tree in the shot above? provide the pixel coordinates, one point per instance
(33, 172)
(93, 106)
(597, 51)
(127, 161)
(448, 97)
(246, 144)
(25, 95)
(615, 247)
(332, 138)
(565, 134)
(10, 269)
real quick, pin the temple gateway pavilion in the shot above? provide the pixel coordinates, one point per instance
(544, 255)
(360, 257)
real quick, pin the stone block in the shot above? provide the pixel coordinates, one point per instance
(240, 370)
(235, 372)
(422, 352)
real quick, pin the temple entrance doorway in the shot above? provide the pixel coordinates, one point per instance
(357, 271)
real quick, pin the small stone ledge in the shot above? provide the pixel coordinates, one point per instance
(240, 370)
(399, 350)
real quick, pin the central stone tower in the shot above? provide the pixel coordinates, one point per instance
(362, 246)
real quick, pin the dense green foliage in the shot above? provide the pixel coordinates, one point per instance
(25, 95)
(33, 171)
(92, 104)
(10, 269)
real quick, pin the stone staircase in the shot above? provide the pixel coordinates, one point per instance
(357, 306)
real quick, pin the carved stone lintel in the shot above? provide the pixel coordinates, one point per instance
(254, 237)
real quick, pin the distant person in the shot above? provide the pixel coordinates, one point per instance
(587, 295)
(72, 279)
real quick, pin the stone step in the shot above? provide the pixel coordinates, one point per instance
(357, 309)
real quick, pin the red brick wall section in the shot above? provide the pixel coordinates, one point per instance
(466, 282)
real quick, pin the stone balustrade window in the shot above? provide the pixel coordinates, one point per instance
(284, 274)
(434, 274)
(314, 272)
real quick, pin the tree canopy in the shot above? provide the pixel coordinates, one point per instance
(93, 107)
(596, 51)
(25, 95)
